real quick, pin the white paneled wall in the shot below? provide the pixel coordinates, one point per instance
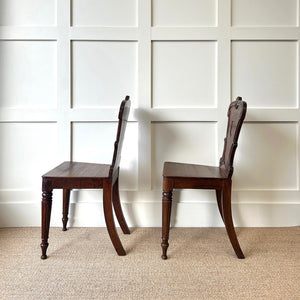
(28, 76)
(184, 74)
(103, 80)
(67, 64)
(255, 61)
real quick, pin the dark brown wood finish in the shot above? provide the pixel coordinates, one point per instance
(190, 176)
(76, 175)
(66, 202)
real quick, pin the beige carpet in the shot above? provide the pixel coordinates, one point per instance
(82, 264)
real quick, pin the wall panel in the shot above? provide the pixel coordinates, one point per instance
(28, 76)
(24, 156)
(265, 12)
(184, 13)
(27, 12)
(184, 74)
(262, 76)
(104, 13)
(103, 72)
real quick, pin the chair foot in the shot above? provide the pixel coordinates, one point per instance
(65, 221)
(121, 252)
(164, 246)
(44, 246)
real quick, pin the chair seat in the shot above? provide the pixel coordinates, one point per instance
(183, 170)
(79, 170)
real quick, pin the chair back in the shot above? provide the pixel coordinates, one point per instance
(123, 117)
(236, 115)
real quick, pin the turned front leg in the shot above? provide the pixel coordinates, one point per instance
(166, 218)
(46, 213)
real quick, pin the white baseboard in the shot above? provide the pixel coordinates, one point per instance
(148, 214)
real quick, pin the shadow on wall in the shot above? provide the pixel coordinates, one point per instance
(266, 162)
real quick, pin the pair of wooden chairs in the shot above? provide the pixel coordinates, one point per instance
(76, 175)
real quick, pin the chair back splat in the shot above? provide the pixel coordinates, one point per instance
(236, 115)
(123, 117)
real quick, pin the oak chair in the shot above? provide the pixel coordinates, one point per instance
(190, 176)
(76, 175)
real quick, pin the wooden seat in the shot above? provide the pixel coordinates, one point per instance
(76, 175)
(191, 176)
(181, 170)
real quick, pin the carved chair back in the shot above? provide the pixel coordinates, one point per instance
(123, 117)
(236, 115)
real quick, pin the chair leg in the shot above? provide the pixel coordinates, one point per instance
(118, 208)
(109, 218)
(66, 201)
(228, 220)
(166, 218)
(219, 195)
(46, 214)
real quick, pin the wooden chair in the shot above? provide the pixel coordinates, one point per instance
(76, 175)
(190, 176)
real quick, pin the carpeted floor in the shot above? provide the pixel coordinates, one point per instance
(82, 264)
